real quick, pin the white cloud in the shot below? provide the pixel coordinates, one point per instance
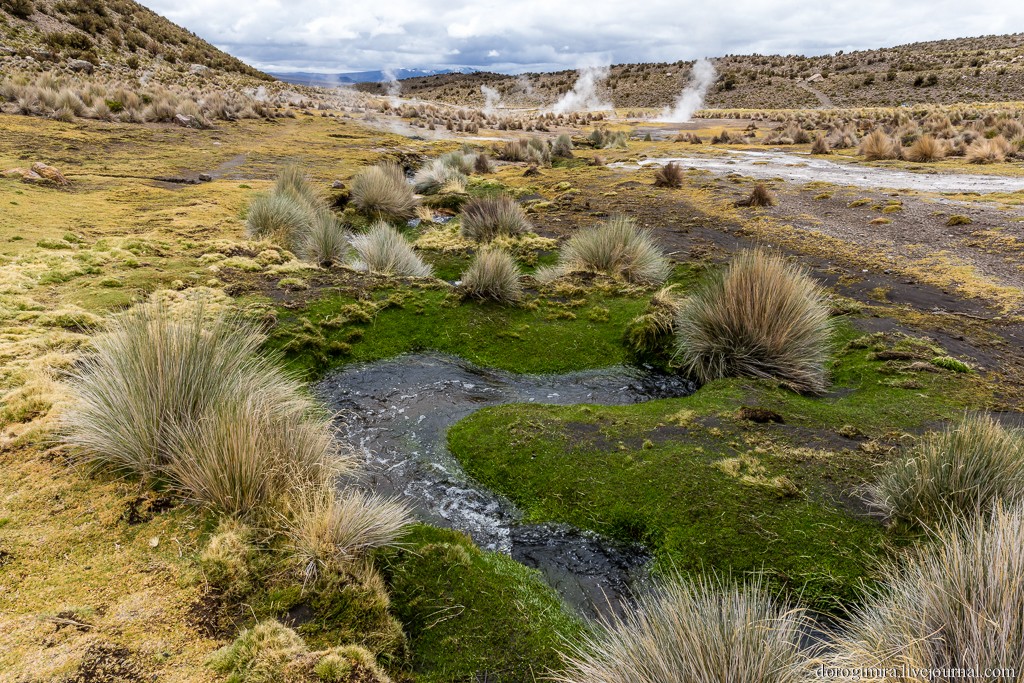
(560, 34)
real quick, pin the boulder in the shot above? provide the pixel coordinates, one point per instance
(815, 78)
(186, 121)
(80, 66)
(205, 177)
(49, 173)
(198, 69)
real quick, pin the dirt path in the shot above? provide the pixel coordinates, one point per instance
(826, 103)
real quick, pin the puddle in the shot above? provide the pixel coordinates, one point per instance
(396, 413)
(795, 168)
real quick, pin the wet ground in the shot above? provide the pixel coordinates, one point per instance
(801, 168)
(396, 413)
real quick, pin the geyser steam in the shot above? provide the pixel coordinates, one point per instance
(492, 98)
(692, 98)
(583, 96)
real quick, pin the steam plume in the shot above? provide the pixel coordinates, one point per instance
(692, 98)
(584, 96)
(492, 99)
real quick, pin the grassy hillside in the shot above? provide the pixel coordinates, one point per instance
(987, 68)
(112, 35)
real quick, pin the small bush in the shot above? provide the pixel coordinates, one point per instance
(384, 250)
(878, 146)
(925, 149)
(493, 275)
(761, 318)
(482, 165)
(616, 248)
(279, 217)
(562, 147)
(381, 191)
(484, 218)
(956, 604)
(958, 471)
(22, 9)
(669, 175)
(327, 531)
(695, 631)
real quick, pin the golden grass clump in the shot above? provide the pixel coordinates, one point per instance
(762, 317)
(493, 275)
(878, 146)
(925, 149)
(820, 145)
(383, 249)
(983, 151)
(669, 175)
(955, 604)
(759, 196)
(956, 472)
(484, 218)
(698, 631)
(382, 191)
(616, 248)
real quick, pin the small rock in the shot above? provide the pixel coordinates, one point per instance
(50, 173)
(205, 177)
(198, 69)
(759, 415)
(154, 542)
(80, 66)
(186, 121)
(338, 185)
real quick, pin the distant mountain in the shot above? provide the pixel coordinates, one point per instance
(353, 77)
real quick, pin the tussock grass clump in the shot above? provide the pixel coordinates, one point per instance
(925, 149)
(184, 396)
(482, 164)
(493, 275)
(280, 217)
(669, 175)
(956, 604)
(562, 147)
(983, 151)
(381, 191)
(762, 317)
(820, 145)
(261, 654)
(484, 218)
(329, 531)
(326, 243)
(617, 248)
(958, 471)
(384, 250)
(435, 175)
(759, 196)
(877, 146)
(650, 337)
(292, 181)
(696, 631)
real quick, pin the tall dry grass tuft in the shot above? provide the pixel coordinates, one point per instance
(925, 149)
(185, 396)
(484, 218)
(820, 145)
(759, 196)
(956, 472)
(877, 146)
(280, 217)
(326, 243)
(293, 182)
(762, 317)
(957, 603)
(382, 191)
(435, 175)
(493, 275)
(328, 531)
(669, 175)
(616, 248)
(983, 151)
(694, 631)
(382, 249)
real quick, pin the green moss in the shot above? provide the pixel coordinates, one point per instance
(471, 615)
(707, 491)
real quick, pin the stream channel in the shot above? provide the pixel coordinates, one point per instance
(395, 413)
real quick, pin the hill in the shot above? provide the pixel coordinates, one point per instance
(110, 35)
(987, 68)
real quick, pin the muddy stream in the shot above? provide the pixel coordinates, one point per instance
(396, 414)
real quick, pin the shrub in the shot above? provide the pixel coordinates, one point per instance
(482, 164)
(957, 603)
(494, 275)
(382, 191)
(878, 146)
(327, 241)
(279, 217)
(759, 196)
(484, 218)
(22, 9)
(669, 175)
(384, 250)
(562, 147)
(983, 151)
(185, 396)
(960, 470)
(616, 248)
(695, 631)
(926, 148)
(330, 531)
(435, 175)
(762, 317)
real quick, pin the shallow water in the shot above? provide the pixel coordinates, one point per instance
(797, 168)
(396, 413)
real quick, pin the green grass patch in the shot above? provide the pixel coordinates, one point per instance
(472, 615)
(708, 491)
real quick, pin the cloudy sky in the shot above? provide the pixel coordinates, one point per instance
(537, 35)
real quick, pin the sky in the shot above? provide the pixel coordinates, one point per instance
(513, 36)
